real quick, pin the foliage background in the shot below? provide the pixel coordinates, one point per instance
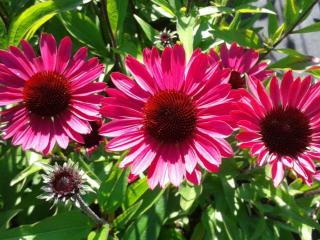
(240, 202)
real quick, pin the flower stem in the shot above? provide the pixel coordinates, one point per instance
(88, 211)
(106, 27)
(189, 4)
(290, 29)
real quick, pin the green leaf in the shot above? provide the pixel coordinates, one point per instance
(149, 199)
(278, 33)
(189, 194)
(252, 9)
(165, 6)
(117, 11)
(33, 17)
(113, 189)
(101, 234)
(272, 21)
(244, 37)
(292, 62)
(291, 12)
(135, 191)
(147, 29)
(84, 30)
(70, 225)
(311, 28)
(148, 226)
(314, 70)
(6, 216)
(127, 215)
(213, 10)
(24, 174)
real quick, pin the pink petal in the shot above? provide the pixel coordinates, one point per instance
(64, 54)
(277, 172)
(125, 142)
(116, 128)
(275, 92)
(48, 48)
(194, 177)
(78, 125)
(140, 74)
(129, 87)
(207, 150)
(285, 86)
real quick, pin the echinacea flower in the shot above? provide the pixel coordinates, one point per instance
(241, 63)
(49, 98)
(282, 128)
(173, 116)
(64, 183)
(166, 38)
(92, 140)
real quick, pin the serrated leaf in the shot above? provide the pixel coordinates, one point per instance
(113, 189)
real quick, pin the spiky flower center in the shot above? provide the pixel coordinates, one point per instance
(236, 80)
(93, 138)
(65, 182)
(286, 131)
(170, 116)
(164, 37)
(47, 94)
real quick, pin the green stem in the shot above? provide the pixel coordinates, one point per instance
(88, 211)
(106, 27)
(290, 29)
(189, 5)
(308, 193)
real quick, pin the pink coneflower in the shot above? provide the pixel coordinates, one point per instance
(241, 62)
(92, 140)
(172, 117)
(50, 98)
(282, 128)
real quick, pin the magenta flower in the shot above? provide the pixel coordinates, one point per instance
(49, 98)
(282, 128)
(240, 62)
(92, 140)
(173, 117)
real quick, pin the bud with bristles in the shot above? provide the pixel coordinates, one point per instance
(64, 183)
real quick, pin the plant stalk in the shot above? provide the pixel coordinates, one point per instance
(289, 31)
(88, 211)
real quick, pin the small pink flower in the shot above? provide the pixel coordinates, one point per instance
(173, 117)
(241, 62)
(282, 128)
(49, 98)
(92, 140)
